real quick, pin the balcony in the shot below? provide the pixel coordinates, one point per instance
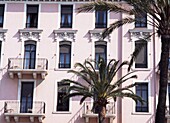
(23, 66)
(87, 114)
(14, 112)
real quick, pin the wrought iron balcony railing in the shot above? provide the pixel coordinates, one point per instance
(17, 107)
(24, 63)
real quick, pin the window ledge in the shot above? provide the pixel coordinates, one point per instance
(141, 113)
(62, 69)
(140, 30)
(61, 112)
(141, 69)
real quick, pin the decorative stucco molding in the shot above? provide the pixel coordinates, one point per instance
(29, 34)
(67, 35)
(96, 35)
(2, 34)
(136, 34)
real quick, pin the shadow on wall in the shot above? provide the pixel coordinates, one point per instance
(77, 118)
(151, 119)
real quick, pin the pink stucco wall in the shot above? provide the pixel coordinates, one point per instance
(49, 20)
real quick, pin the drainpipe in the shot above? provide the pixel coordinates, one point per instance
(119, 100)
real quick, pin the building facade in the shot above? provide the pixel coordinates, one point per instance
(41, 39)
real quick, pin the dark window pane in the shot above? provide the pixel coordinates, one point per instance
(101, 19)
(141, 59)
(30, 56)
(65, 55)
(32, 16)
(1, 15)
(142, 91)
(100, 51)
(62, 91)
(141, 20)
(66, 16)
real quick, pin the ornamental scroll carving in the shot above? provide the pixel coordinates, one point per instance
(96, 35)
(67, 35)
(2, 34)
(140, 34)
(28, 34)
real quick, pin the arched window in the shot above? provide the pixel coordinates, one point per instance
(65, 54)
(30, 55)
(141, 60)
(100, 50)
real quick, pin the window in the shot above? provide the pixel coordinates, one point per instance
(142, 91)
(32, 16)
(65, 54)
(30, 55)
(1, 15)
(66, 16)
(100, 50)
(141, 59)
(101, 19)
(141, 20)
(62, 91)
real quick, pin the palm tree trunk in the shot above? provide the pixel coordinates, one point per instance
(163, 82)
(101, 114)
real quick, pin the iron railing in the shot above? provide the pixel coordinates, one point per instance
(37, 107)
(24, 63)
(110, 108)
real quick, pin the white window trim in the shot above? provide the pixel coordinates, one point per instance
(5, 13)
(73, 16)
(148, 56)
(23, 50)
(108, 50)
(58, 56)
(149, 99)
(3, 40)
(25, 15)
(167, 97)
(94, 19)
(55, 101)
(19, 89)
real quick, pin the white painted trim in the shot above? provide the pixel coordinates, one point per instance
(19, 89)
(107, 46)
(58, 55)
(73, 16)
(55, 101)
(2, 54)
(26, 80)
(59, 15)
(39, 15)
(5, 14)
(94, 19)
(25, 15)
(149, 98)
(148, 56)
(167, 97)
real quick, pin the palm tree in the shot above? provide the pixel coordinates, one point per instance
(99, 85)
(158, 13)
